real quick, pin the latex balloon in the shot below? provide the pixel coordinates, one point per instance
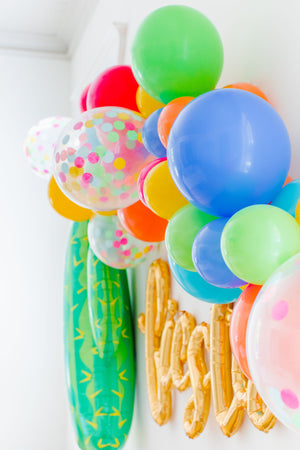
(83, 98)
(287, 180)
(168, 115)
(63, 206)
(181, 232)
(107, 213)
(238, 326)
(40, 142)
(114, 246)
(257, 240)
(176, 51)
(115, 86)
(194, 285)
(288, 197)
(142, 223)
(228, 149)
(249, 88)
(150, 136)
(98, 158)
(143, 174)
(272, 336)
(297, 214)
(208, 259)
(160, 192)
(146, 104)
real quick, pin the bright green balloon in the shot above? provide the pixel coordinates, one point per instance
(181, 232)
(257, 240)
(177, 52)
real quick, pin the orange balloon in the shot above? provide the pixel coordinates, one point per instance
(238, 326)
(248, 87)
(142, 223)
(168, 115)
(64, 206)
(161, 193)
(288, 180)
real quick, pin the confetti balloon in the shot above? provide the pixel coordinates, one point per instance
(99, 157)
(273, 334)
(40, 143)
(114, 246)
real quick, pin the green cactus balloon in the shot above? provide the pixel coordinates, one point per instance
(100, 378)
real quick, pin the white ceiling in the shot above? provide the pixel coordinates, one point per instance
(45, 26)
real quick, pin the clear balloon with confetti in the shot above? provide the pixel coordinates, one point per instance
(40, 143)
(99, 157)
(114, 246)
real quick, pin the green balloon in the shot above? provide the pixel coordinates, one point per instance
(257, 240)
(181, 232)
(176, 52)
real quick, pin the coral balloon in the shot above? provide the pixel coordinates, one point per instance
(142, 223)
(249, 88)
(238, 326)
(150, 136)
(143, 174)
(208, 259)
(160, 192)
(40, 142)
(168, 116)
(181, 232)
(228, 149)
(257, 240)
(115, 86)
(273, 334)
(63, 206)
(287, 180)
(99, 156)
(146, 104)
(114, 246)
(176, 51)
(83, 98)
(288, 197)
(194, 285)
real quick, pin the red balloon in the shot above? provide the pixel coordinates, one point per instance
(238, 326)
(114, 87)
(142, 223)
(83, 97)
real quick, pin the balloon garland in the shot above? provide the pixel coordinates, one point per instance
(158, 152)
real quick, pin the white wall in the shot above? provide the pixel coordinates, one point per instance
(262, 44)
(33, 411)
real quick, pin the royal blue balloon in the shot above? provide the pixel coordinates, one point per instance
(228, 149)
(288, 197)
(150, 136)
(194, 285)
(208, 259)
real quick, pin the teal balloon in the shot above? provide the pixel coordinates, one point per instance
(196, 286)
(288, 197)
(176, 52)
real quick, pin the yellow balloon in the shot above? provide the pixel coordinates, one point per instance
(146, 104)
(297, 217)
(106, 213)
(161, 193)
(65, 207)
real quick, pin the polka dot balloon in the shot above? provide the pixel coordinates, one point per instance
(40, 143)
(99, 157)
(273, 334)
(114, 246)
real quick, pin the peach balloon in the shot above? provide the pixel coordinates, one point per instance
(238, 325)
(248, 87)
(168, 115)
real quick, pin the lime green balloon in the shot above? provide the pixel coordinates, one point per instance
(181, 232)
(257, 240)
(176, 52)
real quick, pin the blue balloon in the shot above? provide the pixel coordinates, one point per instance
(288, 197)
(150, 136)
(208, 259)
(194, 285)
(228, 149)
